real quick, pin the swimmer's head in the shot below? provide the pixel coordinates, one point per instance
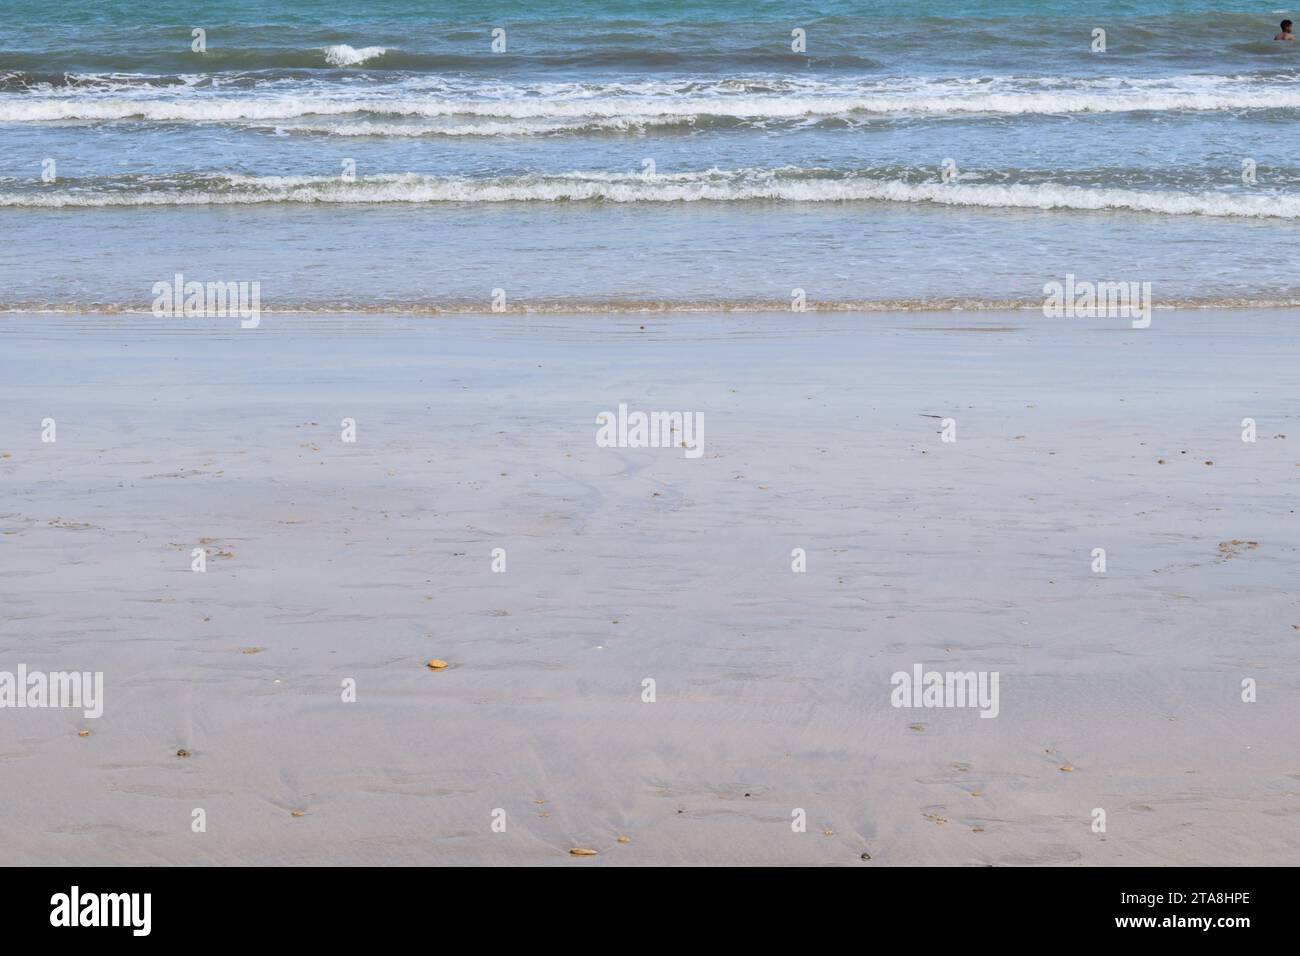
(1286, 26)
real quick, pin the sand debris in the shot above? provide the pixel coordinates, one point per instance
(1233, 548)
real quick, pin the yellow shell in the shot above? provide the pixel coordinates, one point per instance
(436, 664)
(582, 851)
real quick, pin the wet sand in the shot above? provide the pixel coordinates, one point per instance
(331, 561)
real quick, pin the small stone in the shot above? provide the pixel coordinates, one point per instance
(624, 839)
(582, 851)
(1067, 768)
(182, 752)
(297, 813)
(865, 856)
(976, 829)
(436, 664)
(83, 733)
(250, 650)
(828, 833)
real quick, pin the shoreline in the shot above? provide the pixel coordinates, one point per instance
(605, 308)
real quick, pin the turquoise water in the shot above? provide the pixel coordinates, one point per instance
(646, 155)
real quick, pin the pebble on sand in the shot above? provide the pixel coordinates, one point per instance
(436, 664)
(1066, 768)
(624, 839)
(182, 752)
(83, 733)
(297, 813)
(582, 851)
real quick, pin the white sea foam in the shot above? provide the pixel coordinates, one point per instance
(779, 185)
(677, 101)
(344, 55)
(453, 126)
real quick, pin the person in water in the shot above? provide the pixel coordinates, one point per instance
(1286, 33)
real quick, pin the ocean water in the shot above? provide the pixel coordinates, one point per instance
(624, 155)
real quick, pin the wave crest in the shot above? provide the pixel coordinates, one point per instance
(787, 184)
(749, 100)
(344, 55)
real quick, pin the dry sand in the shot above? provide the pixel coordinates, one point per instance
(365, 560)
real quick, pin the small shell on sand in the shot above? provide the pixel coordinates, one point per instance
(250, 650)
(1066, 768)
(297, 813)
(436, 664)
(182, 752)
(83, 733)
(582, 851)
(624, 839)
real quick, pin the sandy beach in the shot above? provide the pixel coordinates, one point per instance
(330, 561)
